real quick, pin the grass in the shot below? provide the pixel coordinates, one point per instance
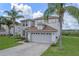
(7, 42)
(70, 45)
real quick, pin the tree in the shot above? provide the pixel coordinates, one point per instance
(60, 8)
(8, 22)
(13, 14)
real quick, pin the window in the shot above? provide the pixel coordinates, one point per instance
(26, 24)
(41, 33)
(56, 37)
(49, 33)
(37, 33)
(23, 32)
(32, 33)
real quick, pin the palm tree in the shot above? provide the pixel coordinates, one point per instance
(13, 14)
(8, 22)
(60, 8)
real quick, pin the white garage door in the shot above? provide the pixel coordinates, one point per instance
(41, 37)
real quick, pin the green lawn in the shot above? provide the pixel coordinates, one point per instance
(6, 42)
(70, 45)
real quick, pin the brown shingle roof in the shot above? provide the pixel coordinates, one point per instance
(45, 29)
(50, 17)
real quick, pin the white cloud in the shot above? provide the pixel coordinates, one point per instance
(1, 10)
(70, 22)
(26, 9)
(37, 14)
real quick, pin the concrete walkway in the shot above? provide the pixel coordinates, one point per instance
(26, 49)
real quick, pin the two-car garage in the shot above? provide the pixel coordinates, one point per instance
(46, 35)
(41, 37)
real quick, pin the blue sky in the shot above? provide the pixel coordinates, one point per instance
(35, 6)
(4, 6)
(36, 10)
(38, 6)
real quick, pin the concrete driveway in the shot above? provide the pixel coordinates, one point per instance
(26, 49)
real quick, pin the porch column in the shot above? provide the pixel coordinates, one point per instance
(29, 36)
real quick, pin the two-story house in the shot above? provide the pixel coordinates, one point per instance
(37, 30)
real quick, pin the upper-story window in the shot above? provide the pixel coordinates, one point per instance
(26, 24)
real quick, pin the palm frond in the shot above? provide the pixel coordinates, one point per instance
(74, 11)
(48, 12)
(2, 20)
(46, 15)
(53, 8)
(7, 12)
(8, 22)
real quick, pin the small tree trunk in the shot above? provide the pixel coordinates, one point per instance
(8, 30)
(14, 30)
(13, 27)
(0, 26)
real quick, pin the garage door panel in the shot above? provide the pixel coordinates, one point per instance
(42, 38)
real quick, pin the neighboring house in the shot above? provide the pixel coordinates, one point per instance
(37, 30)
(4, 30)
(18, 30)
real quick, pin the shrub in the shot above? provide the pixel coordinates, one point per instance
(17, 36)
(71, 33)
